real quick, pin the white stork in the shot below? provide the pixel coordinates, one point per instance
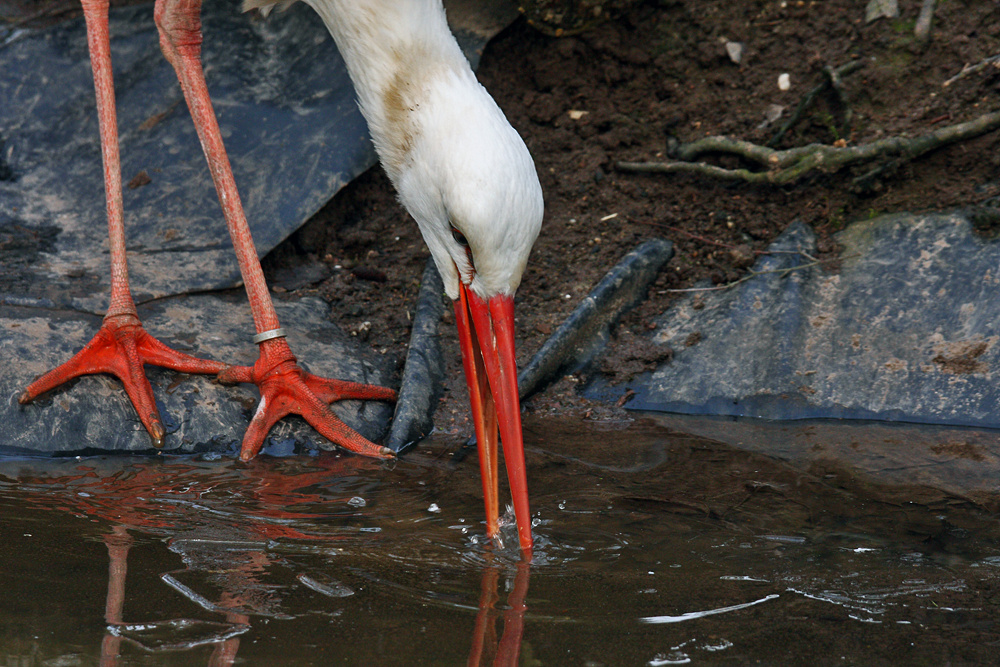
(461, 171)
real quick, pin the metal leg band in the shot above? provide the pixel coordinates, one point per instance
(268, 335)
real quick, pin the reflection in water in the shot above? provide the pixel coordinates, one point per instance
(226, 550)
(652, 548)
(235, 602)
(223, 636)
(486, 649)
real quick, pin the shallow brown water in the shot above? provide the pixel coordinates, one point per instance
(654, 547)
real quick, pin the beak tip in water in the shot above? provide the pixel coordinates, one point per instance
(486, 336)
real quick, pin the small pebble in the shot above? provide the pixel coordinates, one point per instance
(735, 51)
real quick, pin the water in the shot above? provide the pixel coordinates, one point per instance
(653, 548)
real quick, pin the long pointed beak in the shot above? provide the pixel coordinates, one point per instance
(486, 335)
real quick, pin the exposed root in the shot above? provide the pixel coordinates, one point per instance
(832, 80)
(972, 69)
(786, 166)
(922, 29)
(750, 274)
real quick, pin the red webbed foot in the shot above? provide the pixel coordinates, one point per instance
(286, 389)
(121, 347)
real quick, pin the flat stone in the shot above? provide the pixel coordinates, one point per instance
(93, 414)
(905, 330)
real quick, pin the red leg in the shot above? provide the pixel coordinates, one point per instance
(121, 346)
(284, 387)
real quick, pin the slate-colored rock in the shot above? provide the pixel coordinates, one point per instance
(281, 93)
(905, 330)
(93, 413)
(585, 332)
(289, 118)
(421, 386)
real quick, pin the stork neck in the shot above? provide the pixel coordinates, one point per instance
(402, 59)
(382, 39)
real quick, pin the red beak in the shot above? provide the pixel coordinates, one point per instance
(486, 334)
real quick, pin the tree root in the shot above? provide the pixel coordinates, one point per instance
(786, 166)
(831, 80)
(922, 29)
(972, 69)
(750, 274)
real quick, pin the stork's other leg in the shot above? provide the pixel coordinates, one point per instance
(121, 346)
(284, 387)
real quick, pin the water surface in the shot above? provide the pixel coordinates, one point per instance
(653, 548)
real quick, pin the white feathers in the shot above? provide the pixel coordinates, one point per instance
(446, 146)
(266, 6)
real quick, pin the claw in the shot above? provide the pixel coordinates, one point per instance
(121, 347)
(286, 389)
(157, 434)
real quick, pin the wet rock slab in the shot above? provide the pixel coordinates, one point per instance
(905, 330)
(94, 414)
(275, 105)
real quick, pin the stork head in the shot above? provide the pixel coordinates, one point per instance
(468, 180)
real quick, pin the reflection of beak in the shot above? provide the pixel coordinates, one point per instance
(486, 334)
(484, 637)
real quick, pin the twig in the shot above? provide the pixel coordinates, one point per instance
(696, 237)
(787, 166)
(832, 79)
(753, 274)
(837, 85)
(972, 69)
(727, 246)
(922, 30)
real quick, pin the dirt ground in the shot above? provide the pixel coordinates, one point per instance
(628, 89)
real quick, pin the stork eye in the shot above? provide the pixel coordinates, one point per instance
(464, 242)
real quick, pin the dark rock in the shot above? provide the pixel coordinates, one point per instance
(907, 330)
(585, 332)
(93, 413)
(423, 374)
(288, 114)
(294, 136)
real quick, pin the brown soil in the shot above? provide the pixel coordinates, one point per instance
(655, 75)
